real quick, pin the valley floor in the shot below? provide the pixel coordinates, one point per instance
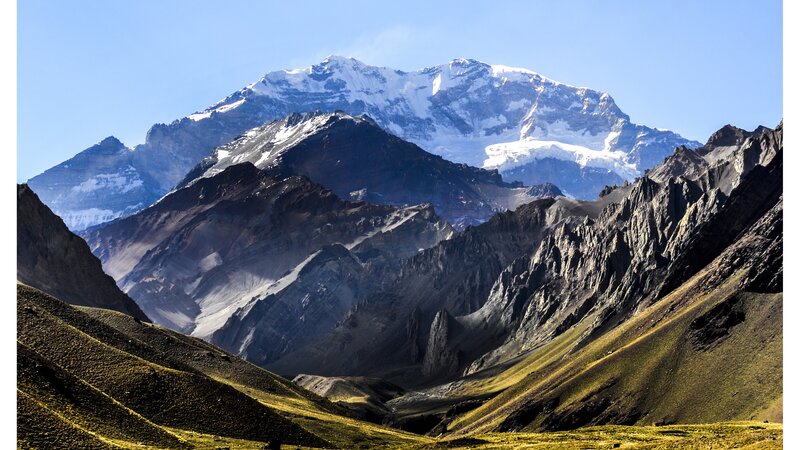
(729, 435)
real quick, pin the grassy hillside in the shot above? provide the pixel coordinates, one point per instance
(719, 436)
(90, 378)
(673, 363)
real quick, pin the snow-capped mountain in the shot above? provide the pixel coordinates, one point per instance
(531, 128)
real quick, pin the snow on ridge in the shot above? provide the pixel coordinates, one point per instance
(507, 155)
(263, 144)
(123, 181)
(415, 106)
(219, 107)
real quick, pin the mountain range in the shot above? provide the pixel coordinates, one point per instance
(464, 256)
(648, 305)
(528, 127)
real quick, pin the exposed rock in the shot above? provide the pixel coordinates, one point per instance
(52, 259)
(559, 262)
(712, 327)
(356, 159)
(236, 243)
(440, 356)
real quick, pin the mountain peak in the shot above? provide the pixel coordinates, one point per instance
(340, 60)
(726, 136)
(108, 146)
(111, 141)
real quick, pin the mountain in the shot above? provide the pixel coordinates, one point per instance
(52, 259)
(282, 251)
(98, 184)
(530, 128)
(357, 160)
(583, 272)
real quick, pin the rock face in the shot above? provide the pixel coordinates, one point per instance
(439, 355)
(357, 160)
(561, 262)
(52, 259)
(386, 334)
(637, 249)
(273, 262)
(531, 128)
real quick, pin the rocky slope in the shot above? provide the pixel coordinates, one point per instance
(601, 261)
(531, 128)
(456, 275)
(358, 160)
(282, 257)
(710, 350)
(52, 259)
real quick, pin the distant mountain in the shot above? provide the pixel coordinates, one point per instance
(52, 259)
(242, 242)
(357, 160)
(98, 184)
(532, 129)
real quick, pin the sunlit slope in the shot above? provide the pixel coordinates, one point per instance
(75, 413)
(682, 360)
(719, 436)
(301, 406)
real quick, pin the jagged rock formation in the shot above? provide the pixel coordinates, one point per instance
(635, 250)
(456, 275)
(439, 356)
(601, 261)
(52, 259)
(277, 261)
(527, 126)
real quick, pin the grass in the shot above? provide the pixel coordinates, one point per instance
(342, 431)
(732, 435)
(65, 398)
(163, 395)
(112, 382)
(651, 367)
(118, 383)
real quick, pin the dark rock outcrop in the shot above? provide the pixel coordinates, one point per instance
(54, 260)
(558, 262)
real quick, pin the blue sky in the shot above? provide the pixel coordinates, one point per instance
(90, 69)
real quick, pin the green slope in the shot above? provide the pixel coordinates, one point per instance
(651, 369)
(70, 404)
(91, 378)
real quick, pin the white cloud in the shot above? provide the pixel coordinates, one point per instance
(399, 47)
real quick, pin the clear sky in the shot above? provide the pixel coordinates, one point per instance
(90, 69)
